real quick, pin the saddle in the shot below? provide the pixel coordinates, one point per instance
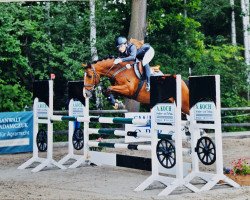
(138, 69)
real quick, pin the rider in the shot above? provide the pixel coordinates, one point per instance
(128, 52)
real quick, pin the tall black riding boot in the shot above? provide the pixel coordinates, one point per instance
(147, 72)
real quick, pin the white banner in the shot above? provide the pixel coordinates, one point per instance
(165, 113)
(204, 111)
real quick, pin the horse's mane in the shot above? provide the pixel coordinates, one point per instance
(88, 65)
(102, 59)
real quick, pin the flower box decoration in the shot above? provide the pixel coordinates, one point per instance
(240, 172)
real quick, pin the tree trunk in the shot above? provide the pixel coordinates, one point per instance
(137, 27)
(245, 19)
(93, 49)
(137, 30)
(233, 27)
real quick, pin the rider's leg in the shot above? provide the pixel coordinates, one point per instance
(148, 56)
(147, 72)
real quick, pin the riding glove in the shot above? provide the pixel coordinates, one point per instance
(118, 60)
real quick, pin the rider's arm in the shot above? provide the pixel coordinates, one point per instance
(132, 54)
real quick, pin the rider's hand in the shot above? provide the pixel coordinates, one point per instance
(118, 60)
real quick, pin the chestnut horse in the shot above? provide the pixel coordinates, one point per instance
(125, 81)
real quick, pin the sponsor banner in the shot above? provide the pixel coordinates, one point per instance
(78, 109)
(165, 113)
(137, 128)
(16, 132)
(141, 129)
(204, 111)
(42, 109)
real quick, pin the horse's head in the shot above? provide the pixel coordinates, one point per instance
(91, 79)
(98, 69)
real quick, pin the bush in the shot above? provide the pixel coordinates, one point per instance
(14, 98)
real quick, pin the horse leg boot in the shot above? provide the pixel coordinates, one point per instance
(147, 72)
(111, 99)
(115, 102)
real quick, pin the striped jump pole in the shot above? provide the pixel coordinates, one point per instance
(104, 131)
(102, 120)
(120, 146)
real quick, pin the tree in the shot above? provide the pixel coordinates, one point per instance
(201, 40)
(233, 26)
(245, 21)
(93, 49)
(137, 30)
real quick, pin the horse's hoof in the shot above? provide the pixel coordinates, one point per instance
(121, 106)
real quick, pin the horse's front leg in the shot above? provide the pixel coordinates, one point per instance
(121, 89)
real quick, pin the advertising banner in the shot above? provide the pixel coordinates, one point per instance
(16, 132)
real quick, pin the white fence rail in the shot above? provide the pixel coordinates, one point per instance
(244, 124)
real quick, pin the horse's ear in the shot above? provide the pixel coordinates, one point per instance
(86, 65)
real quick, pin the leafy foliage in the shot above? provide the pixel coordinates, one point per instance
(10, 98)
(40, 38)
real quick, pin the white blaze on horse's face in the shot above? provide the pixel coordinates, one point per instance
(91, 78)
(88, 79)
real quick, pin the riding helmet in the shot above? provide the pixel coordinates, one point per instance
(120, 40)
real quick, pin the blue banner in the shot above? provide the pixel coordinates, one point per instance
(16, 132)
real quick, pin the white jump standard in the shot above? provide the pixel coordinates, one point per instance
(205, 113)
(40, 93)
(76, 109)
(169, 116)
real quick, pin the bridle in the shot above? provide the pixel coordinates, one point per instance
(95, 78)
